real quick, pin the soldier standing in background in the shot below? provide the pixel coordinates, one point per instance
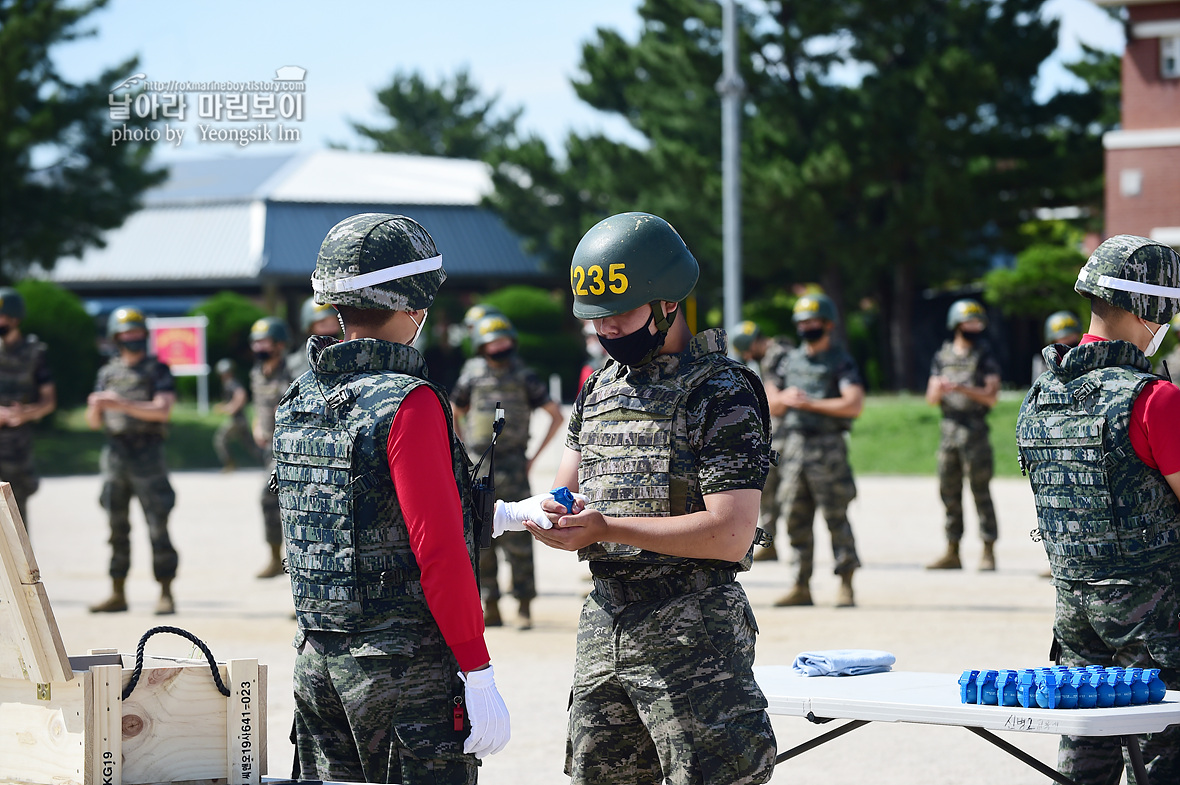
(1063, 327)
(965, 384)
(132, 401)
(817, 390)
(27, 394)
(762, 355)
(268, 381)
(392, 666)
(498, 375)
(670, 442)
(236, 428)
(1097, 437)
(314, 319)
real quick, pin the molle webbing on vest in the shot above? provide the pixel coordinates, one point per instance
(506, 386)
(1101, 511)
(816, 376)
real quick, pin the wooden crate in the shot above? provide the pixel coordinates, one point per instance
(63, 720)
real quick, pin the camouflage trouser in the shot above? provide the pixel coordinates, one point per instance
(379, 707)
(17, 469)
(138, 470)
(512, 484)
(272, 526)
(1131, 623)
(966, 449)
(814, 471)
(664, 691)
(234, 429)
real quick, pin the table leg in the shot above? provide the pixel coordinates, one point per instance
(818, 740)
(1136, 756)
(1021, 755)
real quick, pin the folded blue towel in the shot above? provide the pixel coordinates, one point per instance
(842, 662)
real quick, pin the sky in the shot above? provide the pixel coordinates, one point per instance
(525, 51)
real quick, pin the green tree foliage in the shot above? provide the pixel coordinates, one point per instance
(62, 182)
(1038, 284)
(58, 318)
(888, 145)
(230, 318)
(539, 317)
(450, 119)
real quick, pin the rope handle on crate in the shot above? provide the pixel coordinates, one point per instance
(184, 634)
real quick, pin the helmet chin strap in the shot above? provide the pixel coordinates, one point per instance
(663, 321)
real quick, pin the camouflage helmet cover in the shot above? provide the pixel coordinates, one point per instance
(491, 328)
(125, 319)
(377, 260)
(11, 303)
(627, 261)
(1061, 324)
(312, 312)
(270, 327)
(814, 306)
(477, 312)
(743, 335)
(965, 311)
(1136, 274)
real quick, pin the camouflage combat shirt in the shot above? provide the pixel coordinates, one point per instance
(819, 375)
(267, 389)
(518, 389)
(1102, 513)
(24, 368)
(970, 369)
(655, 439)
(348, 550)
(138, 382)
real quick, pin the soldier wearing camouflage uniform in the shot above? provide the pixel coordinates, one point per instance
(1062, 327)
(27, 394)
(817, 391)
(132, 401)
(670, 443)
(762, 354)
(393, 682)
(314, 319)
(236, 428)
(498, 376)
(1096, 435)
(965, 383)
(269, 379)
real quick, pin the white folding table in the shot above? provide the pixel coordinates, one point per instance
(933, 699)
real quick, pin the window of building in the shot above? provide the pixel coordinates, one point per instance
(1170, 57)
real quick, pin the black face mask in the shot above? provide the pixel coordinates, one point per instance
(636, 348)
(970, 337)
(812, 335)
(262, 356)
(4, 330)
(135, 346)
(501, 355)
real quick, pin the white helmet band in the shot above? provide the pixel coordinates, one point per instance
(378, 276)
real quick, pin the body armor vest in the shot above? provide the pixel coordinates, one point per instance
(1101, 511)
(266, 390)
(636, 460)
(816, 376)
(135, 383)
(347, 545)
(489, 385)
(961, 369)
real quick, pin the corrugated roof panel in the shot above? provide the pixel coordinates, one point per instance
(473, 240)
(173, 244)
(216, 180)
(344, 176)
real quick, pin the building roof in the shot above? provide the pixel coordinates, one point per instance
(240, 222)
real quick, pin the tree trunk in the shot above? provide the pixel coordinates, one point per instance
(901, 335)
(833, 284)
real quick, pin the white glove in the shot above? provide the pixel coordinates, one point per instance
(510, 516)
(490, 726)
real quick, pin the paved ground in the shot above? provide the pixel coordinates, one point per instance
(931, 621)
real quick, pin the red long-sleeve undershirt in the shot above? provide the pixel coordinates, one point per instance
(419, 454)
(1153, 423)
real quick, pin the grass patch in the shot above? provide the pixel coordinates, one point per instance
(68, 446)
(898, 434)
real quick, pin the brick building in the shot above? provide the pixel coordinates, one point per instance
(1143, 156)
